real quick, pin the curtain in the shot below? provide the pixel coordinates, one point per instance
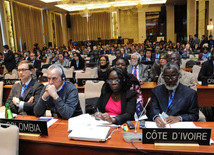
(98, 25)
(59, 35)
(28, 25)
(46, 26)
(1, 42)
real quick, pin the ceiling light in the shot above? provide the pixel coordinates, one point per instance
(50, 1)
(72, 7)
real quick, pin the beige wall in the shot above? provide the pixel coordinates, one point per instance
(211, 13)
(191, 18)
(170, 23)
(128, 24)
(201, 19)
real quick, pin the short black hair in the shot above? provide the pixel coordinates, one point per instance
(6, 46)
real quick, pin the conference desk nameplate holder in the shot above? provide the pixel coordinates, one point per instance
(28, 128)
(174, 137)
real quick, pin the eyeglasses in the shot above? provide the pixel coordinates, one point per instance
(162, 58)
(32, 55)
(111, 81)
(23, 70)
(170, 77)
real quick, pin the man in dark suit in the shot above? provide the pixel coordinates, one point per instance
(36, 63)
(25, 94)
(173, 102)
(207, 69)
(9, 59)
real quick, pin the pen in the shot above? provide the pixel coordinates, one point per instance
(98, 112)
(162, 118)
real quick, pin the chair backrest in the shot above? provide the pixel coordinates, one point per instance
(190, 63)
(83, 75)
(91, 70)
(195, 71)
(183, 64)
(1, 92)
(69, 72)
(9, 141)
(15, 72)
(93, 89)
(45, 72)
(82, 101)
(8, 76)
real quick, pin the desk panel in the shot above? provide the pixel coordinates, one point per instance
(58, 143)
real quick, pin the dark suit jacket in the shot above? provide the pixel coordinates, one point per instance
(206, 70)
(184, 103)
(9, 61)
(37, 65)
(34, 88)
(81, 64)
(128, 104)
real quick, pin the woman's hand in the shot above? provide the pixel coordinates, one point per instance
(97, 115)
(106, 117)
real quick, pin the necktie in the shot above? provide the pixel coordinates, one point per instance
(135, 72)
(23, 90)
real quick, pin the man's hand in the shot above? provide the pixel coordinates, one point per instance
(160, 122)
(31, 99)
(172, 119)
(15, 100)
(51, 89)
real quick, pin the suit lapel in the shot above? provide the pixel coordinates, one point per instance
(164, 100)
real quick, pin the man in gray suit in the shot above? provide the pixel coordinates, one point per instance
(59, 96)
(196, 40)
(25, 94)
(139, 70)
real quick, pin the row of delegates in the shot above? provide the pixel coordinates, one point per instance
(117, 102)
(177, 101)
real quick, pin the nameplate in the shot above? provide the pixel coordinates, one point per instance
(28, 126)
(209, 81)
(166, 135)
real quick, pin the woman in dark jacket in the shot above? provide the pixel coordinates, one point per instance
(117, 102)
(78, 63)
(103, 67)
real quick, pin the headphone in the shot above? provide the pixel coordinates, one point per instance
(63, 74)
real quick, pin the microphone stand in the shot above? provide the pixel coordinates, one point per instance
(135, 137)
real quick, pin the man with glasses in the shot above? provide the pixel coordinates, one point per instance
(187, 78)
(25, 94)
(173, 102)
(59, 96)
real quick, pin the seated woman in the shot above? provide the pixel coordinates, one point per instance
(205, 55)
(103, 67)
(62, 61)
(148, 56)
(117, 103)
(78, 63)
(158, 68)
(135, 85)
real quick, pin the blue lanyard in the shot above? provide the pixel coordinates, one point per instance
(170, 99)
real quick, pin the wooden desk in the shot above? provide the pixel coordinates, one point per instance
(58, 143)
(187, 69)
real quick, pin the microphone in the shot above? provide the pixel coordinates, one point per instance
(135, 137)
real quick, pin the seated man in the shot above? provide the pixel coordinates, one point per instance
(36, 64)
(139, 70)
(59, 96)
(187, 78)
(207, 69)
(24, 96)
(172, 100)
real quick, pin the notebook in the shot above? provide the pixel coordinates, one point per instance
(90, 133)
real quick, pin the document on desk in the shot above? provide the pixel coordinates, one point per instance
(150, 124)
(2, 115)
(88, 120)
(50, 120)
